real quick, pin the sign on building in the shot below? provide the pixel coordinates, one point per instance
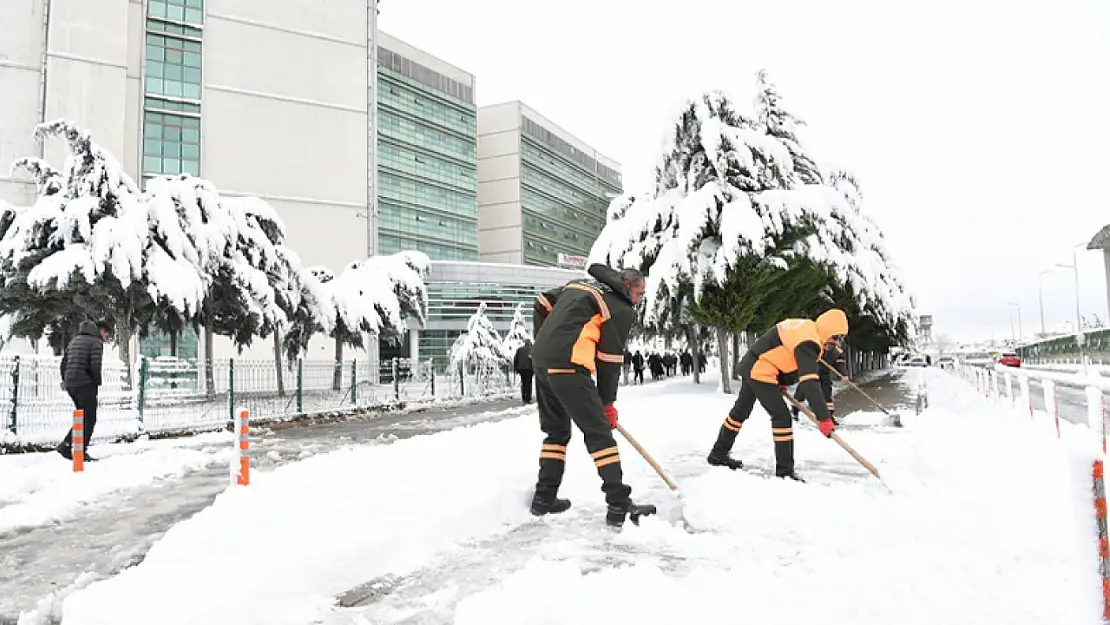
(571, 262)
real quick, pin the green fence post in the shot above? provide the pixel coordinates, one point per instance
(300, 385)
(432, 368)
(396, 381)
(231, 390)
(14, 427)
(354, 382)
(144, 375)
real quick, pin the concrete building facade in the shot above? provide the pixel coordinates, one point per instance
(542, 193)
(272, 99)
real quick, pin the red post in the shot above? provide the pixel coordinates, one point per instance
(244, 477)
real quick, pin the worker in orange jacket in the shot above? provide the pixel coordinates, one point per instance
(790, 349)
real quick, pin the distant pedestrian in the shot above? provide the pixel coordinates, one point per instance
(638, 367)
(81, 378)
(523, 365)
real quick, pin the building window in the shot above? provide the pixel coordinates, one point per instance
(171, 144)
(188, 11)
(172, 67)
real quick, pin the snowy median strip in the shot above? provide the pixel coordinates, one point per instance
(987, 505)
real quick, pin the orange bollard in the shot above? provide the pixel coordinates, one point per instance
(78, 441)
(244, 477)
(1103, 535)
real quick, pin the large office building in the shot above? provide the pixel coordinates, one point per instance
(272, 99)
(542, 193)
(427, 146)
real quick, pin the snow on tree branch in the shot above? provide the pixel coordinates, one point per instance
(480, 346)
(519, 332)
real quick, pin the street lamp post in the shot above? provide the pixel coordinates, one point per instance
(1020, 335)
(1040, 296)
(1074, 266)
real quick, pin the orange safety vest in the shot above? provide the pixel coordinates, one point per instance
(792, 333)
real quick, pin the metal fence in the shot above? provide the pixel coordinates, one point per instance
(171, 394)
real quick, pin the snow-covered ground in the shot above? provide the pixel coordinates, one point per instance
(973, 531)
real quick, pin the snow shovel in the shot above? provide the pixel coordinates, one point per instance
(895, 419)
(839, 441)
(658, 469)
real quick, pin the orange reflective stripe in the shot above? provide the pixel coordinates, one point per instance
(732, 424)
(559, 371)
(602, 307)
(551, 455)
(616, 358)
(605, 452)
(543, 301)
(784, 439)
(607, 461)
(552, 447)
(585, 348)
(807, 377)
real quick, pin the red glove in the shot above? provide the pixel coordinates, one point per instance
(611, 415)
(783, 389)
(827, 426)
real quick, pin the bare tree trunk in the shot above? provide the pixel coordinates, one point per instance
(173, 343)
(337, 381)
(123, 336)
(278, 362)
(695, 351)
(209, 377)
(722, 344)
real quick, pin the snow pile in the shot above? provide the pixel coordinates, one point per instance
(41, 488)
(971, 522)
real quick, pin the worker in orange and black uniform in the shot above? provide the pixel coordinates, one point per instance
(791, 349)
(832, 355)
(581, 330)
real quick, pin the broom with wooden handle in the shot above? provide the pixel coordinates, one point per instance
(839, 441)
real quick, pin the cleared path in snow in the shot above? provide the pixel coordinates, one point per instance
(117, 529)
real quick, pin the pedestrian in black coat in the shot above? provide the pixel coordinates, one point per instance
(82, 378)
(522, 362)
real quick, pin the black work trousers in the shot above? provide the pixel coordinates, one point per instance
(84, 398)
(782, 430)
(525, 385)
(563, 396)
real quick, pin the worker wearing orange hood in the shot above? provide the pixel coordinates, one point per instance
(789, 352)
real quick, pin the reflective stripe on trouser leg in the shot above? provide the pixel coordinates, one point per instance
(741, 410)
(555, 423)
(782, 424)
(608, 463)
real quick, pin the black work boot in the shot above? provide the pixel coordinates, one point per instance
(554, 505)
(65, 450)
(719, 459)
(791, 474)
(616, 514)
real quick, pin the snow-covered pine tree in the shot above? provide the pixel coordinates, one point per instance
(728, 225)
(479, 349)
(91, 236)
(519, 331)
(781, 124)
(372, 297)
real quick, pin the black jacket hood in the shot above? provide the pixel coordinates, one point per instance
(89, 327)
(611, 278)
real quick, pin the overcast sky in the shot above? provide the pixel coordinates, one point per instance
(980, 129)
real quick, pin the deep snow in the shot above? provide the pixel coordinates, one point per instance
(990, 521)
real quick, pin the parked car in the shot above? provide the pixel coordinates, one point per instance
(946, 362)
(1010, 359)
(916, 361)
